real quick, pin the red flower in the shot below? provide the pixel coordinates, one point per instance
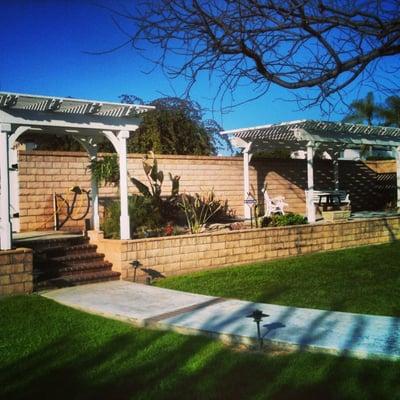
(168, 230)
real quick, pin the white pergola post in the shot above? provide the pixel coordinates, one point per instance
(5, 221)
(14, 187)
(95, 198)
(246, 180)
(397, 151)
(13, 174)
(91, 147)
(310, 183)
(123, 185)
(335, 161)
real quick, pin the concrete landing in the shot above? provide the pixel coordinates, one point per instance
(362, 336)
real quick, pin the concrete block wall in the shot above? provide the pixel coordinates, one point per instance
(16, 271)
(178, 255)
(43, 173)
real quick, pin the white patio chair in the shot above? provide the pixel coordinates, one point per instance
(274, 205)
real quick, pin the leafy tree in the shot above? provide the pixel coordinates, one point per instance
(175, 126)
(390, 111)
(367, 110)
(363, 110)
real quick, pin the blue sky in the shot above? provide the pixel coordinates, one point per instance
(42, 51)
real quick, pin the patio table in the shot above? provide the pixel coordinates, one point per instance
(332, 200)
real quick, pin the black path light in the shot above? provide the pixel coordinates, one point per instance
(135, 264)
(257, 316)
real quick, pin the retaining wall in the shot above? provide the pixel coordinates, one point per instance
(176, 255)
(16, 271)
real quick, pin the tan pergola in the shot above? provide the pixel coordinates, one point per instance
(88, 121)
(311, 136)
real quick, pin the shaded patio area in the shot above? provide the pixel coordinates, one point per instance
(314, 138)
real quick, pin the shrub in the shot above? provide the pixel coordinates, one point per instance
(284, 220)
(144, 214)
(105, 170)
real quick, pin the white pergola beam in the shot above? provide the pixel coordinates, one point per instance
(83, 122)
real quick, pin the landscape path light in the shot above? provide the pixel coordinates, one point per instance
(257, 316)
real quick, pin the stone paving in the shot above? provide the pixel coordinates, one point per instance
(358, 335)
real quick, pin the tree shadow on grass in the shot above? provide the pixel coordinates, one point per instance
(130, 363)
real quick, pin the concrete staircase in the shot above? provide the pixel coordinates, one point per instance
(68, 261)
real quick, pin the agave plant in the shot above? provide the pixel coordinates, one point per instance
(199, 209)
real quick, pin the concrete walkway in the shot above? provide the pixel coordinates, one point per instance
(286, 327)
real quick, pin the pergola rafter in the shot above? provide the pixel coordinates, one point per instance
(88, 121)
(308, 135)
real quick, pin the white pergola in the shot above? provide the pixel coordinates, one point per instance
(311, 136)
(89, 122)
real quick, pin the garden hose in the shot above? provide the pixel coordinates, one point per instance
(69, 208)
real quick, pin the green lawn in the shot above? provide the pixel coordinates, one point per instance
(48, 351)
(361, 280)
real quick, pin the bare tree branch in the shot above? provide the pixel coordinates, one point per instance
(295, 44)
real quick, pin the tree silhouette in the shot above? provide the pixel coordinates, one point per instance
(363, 110)
(320, 45)
(390, 112)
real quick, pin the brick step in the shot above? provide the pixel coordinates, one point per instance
(77, 279)
(70, 261)
(61, 251)
(41, 244)
(61, 270)
(73, 259)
